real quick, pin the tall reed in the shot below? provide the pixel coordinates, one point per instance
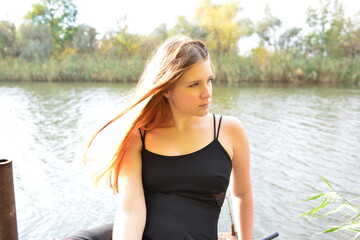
(85, 68)
(270, 67)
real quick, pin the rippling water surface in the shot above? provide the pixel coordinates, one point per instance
(296, 134)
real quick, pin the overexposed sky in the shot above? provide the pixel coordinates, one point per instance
(143, 16)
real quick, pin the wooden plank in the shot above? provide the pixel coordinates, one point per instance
(226, 236)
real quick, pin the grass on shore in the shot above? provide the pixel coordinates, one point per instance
(235, 69)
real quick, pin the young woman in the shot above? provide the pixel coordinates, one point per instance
(173, 166)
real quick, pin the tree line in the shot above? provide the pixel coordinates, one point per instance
(50, 46)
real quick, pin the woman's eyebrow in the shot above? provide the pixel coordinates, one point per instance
(198, 80)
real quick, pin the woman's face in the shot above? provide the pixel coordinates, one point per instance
(191, 94)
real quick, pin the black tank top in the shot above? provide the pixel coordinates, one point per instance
(184, 193)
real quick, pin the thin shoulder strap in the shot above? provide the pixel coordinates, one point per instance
(218, 130)
(214, 126)
(142, 135)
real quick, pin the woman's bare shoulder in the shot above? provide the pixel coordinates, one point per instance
(135, 142)
(234, 130)
(131, 160)
(232, 123)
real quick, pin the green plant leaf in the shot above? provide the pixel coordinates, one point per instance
(351, 227)
(356, 218)
(327, 182)
(315, 197)
(356, 236)
(314, 211)
(337, 209)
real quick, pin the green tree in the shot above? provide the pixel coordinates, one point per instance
(58, 15)
(221, 26)
(7, 38)
(267, 28)
(334, 38)
(318, 19)
(36, 42)
(161, 32)
(291, 41)
(120, 43)
(327, 23)
(84, 40)
(351, 37)
(184, 27)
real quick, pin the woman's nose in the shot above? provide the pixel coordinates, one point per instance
(206, 92)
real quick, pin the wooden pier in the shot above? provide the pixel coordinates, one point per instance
(226, 236)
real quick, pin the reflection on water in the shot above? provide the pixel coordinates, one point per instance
(296, 134)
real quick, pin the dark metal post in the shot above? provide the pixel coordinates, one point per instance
(8, 224)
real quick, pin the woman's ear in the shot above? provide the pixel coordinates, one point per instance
(166, 94)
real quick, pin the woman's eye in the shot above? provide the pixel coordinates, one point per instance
(193, 85)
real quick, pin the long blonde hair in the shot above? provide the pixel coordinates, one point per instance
(175, 56)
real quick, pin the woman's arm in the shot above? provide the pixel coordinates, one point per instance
(240, 184)
(131, 209)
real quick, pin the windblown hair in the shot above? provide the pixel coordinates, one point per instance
(174, 57)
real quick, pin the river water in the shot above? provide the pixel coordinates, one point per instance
(296, 133)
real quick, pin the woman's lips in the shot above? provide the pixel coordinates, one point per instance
(204, 105)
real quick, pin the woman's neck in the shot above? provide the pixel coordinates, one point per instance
(185, 122)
